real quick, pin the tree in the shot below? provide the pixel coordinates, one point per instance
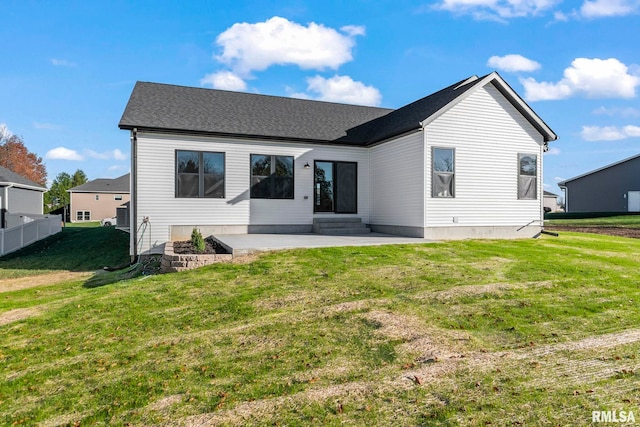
(79, 178)
(57, 195)
(15, 156)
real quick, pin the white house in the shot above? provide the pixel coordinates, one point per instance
(464, 162)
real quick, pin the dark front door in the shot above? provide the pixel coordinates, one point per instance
(335, 187)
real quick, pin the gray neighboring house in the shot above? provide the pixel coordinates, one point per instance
(612, 188)
(19, 195)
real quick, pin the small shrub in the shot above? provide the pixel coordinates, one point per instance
(197, 241)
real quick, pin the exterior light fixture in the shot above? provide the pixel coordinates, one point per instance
(307, 165)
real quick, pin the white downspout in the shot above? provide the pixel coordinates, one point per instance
(5, 203)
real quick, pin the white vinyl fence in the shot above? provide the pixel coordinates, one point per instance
(29, 229)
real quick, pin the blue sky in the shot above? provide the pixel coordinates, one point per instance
(69, 66)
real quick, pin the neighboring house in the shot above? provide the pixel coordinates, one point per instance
(98, 199)
(19, 195)
(550, 201)
(464, 162)
(612, 188)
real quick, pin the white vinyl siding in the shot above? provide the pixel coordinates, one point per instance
(397, 183)
(487, 133)
(156, 184)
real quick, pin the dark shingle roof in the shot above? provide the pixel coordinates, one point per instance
(161, 107)
(407, 118)
(7, 175)
(180, 108)
(104, 185)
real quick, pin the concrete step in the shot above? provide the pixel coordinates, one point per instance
(336, 219)
(343, 231)
(339, 225)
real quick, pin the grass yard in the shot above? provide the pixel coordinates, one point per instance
(462, 333)
(625, 221)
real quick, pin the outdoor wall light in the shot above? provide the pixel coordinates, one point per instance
(307, 165)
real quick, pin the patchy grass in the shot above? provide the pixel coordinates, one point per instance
(623, 221)
(459, 333)
(78, 248)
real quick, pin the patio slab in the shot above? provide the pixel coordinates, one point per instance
(243, 244)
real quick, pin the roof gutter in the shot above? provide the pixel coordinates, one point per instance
(25, 186)
(5, 203)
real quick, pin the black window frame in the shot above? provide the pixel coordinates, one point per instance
(435, 172)
(201, 175)
(270, 182)
(336, 187)
(524, 176)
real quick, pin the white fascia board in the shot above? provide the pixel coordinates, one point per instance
(25, 186)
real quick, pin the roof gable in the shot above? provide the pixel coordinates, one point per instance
(10, 177)
(628, 159)
(104, 185)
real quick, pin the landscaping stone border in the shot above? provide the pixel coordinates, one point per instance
(172, 262)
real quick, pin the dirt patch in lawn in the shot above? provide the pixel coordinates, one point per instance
(17, 314)
(611, 231)
(10, 285)
(553, 357)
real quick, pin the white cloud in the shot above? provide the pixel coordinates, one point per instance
(5, 133)
(499, 10)
(553, 151)
(593, 78)
(623, 112)
(560, 16)
(62, 153)
(62, 63)
(608, 8)
(119, 155)
(609, 133)
(225, 80)
(513, 63)
(278, 41)
(559, 178)
(46, 126)
(342, 89)
(115, 154)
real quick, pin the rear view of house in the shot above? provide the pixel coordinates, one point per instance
(612, 188)
(464, 162)
(98, 199)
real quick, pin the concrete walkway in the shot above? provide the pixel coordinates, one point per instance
(242, 244)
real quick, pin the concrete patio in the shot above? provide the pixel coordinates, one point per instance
(242, 244)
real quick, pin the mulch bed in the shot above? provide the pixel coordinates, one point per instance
(211, 247)
(612, 231)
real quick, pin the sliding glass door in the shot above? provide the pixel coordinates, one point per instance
(335, 187)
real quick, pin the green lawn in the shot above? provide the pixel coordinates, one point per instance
(79, 247)
(627, 221)
(461, 333)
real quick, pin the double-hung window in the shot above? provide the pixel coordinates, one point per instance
(443, 172)
(83, 215)
(271, 177)
(199, 174)
(527, 176)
